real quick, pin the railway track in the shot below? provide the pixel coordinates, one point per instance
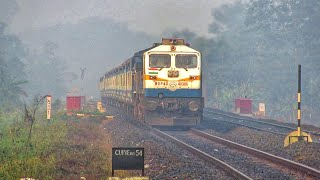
(240, 170)
(229, 169)
(261, 154)
(202, 147)
(163, 160)
(255, 124)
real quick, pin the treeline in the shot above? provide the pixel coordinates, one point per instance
(255, 52)
(25, 74)
(12, 74)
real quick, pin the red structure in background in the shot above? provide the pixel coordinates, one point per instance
(75, 103)
(243, 106)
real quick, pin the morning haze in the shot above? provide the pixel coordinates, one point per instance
(249, 48)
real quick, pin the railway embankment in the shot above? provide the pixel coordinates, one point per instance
(301, 152)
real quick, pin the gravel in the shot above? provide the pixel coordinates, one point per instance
(302, 152)
(307, 127)
(249, 165)
(163, 160)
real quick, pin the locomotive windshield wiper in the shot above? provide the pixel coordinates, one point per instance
(185, 68)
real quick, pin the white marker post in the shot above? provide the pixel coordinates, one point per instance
(262, 109)
(49, 107)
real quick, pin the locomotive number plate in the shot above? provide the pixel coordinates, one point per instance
(183, 83)
(161, 83)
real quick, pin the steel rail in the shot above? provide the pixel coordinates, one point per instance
(262, 122)
(227, 168)
(261, 154)
(251, 127)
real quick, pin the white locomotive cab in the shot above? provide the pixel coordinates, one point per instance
(179, 69)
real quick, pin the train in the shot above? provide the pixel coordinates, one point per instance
(160, 85)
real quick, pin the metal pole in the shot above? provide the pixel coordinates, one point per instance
(299, 99)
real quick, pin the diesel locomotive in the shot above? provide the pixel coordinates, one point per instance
(160, 85)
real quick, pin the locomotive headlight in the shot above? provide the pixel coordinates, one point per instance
(193, 77)
(153, 77)
(194, 106)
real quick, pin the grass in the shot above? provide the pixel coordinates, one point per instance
(62, 148)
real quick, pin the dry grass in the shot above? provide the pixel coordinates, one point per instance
(64, 148)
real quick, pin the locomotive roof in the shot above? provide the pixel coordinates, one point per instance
(136, 54)
(140, 53)
(155, 47)
(178, 48)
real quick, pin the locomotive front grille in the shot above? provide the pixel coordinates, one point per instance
(173, 73)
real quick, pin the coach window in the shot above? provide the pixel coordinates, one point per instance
(186, 61)
(160, 60)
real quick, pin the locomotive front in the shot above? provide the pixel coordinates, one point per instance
(172, 84)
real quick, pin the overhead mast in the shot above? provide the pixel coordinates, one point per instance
(299, 100)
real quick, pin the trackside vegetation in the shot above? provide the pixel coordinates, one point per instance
(64, 147)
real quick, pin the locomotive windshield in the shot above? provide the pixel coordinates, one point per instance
(160, 60)
(186, 61)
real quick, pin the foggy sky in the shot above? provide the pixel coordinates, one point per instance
(152, 16)
(99, 34)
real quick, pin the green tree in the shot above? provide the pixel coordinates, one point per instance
(255, 51)
(46, 71)
(12, 75)
(289, 31)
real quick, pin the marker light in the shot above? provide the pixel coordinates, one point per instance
(153, 77)
(193, 77)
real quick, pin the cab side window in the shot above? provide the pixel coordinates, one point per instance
(159, 60)
(186, 61)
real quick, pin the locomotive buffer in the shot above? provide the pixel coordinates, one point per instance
(297, 135)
